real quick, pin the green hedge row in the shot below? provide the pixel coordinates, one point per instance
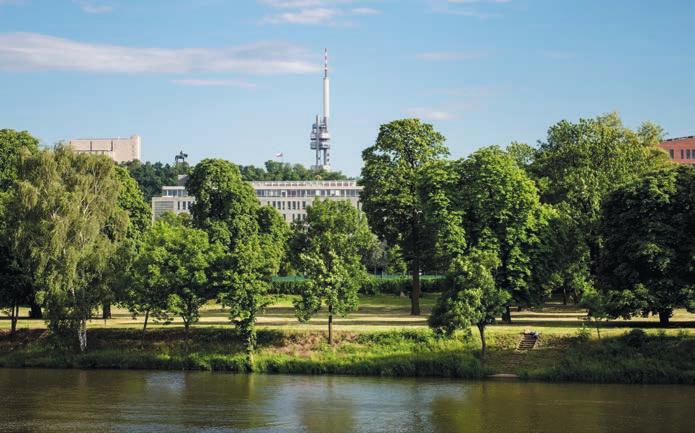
(373, 286)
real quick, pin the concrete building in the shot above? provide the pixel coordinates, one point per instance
(174, 199)
(680, 150)
(118, 149)
(290, 198)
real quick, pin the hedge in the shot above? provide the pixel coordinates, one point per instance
(373, 286)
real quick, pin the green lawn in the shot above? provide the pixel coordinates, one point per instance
(389, 312)
(381, 338)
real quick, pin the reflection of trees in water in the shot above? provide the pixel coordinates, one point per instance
(327, 408)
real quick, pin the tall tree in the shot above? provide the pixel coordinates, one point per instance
(15, 282)
(499, 211)
(327, 248)
(157, 269)
(580, 163)
(649, 245)
(131, 200)
(16, 287)
(392, 198)
(227, 209)
(65, 228)
(172, 272)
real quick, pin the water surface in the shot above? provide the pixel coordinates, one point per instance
(150, 401)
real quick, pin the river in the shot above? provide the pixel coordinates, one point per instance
(153, 401)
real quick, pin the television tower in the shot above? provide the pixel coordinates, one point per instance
(320, 137)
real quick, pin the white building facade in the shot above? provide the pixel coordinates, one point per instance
(118, 149)
(290, 198)
(174, 199)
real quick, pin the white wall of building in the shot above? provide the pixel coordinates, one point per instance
(118, 149)
(290, 198)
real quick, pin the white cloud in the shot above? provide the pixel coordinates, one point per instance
(429, 113)
(480, 9)
(37, 52)
(300, 4)
(203, 82)
(314, 12)
(91, 7)
(305, 16)
(447, 55)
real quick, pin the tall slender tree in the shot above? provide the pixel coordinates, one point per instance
(327, 248)
(227, 209)
(392, 196)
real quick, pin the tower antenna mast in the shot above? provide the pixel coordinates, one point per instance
(320, 137)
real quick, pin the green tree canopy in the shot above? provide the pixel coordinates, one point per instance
(151, 177)
(499, 211)
(65, 229)
(393, 196)
(11, 145)
(648, 248)
(580, 163)
(252, 238)
(275, 170)
(474, 298)
(16, 286)
(327, 248)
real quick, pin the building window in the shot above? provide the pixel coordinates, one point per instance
(670, 153)
(682, 154)
(687, 153)
(303, 205)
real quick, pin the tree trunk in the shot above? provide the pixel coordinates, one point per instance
(144, 328)
(415, 292)
(564, 296)
(106, 311)
(35, 310)
(186, 326)
(82, 335)
(598, 331)
(507, 315)
(330, 325)
(481, 329)
(664, 316)
(13, 318)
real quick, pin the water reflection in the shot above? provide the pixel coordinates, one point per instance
(146, 401)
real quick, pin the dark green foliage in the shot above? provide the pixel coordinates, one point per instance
(131, 200)
(152, 176)
(500, 212)
(394, 195)
(649, 245)
(252, 238)
(12, 144)
(275, 170)
(580, 164)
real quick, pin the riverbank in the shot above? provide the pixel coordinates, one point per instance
(634, 357)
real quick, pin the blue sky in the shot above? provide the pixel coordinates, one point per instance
(241, 79)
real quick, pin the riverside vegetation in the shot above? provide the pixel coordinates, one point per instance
(596, 215)
(382, 339)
